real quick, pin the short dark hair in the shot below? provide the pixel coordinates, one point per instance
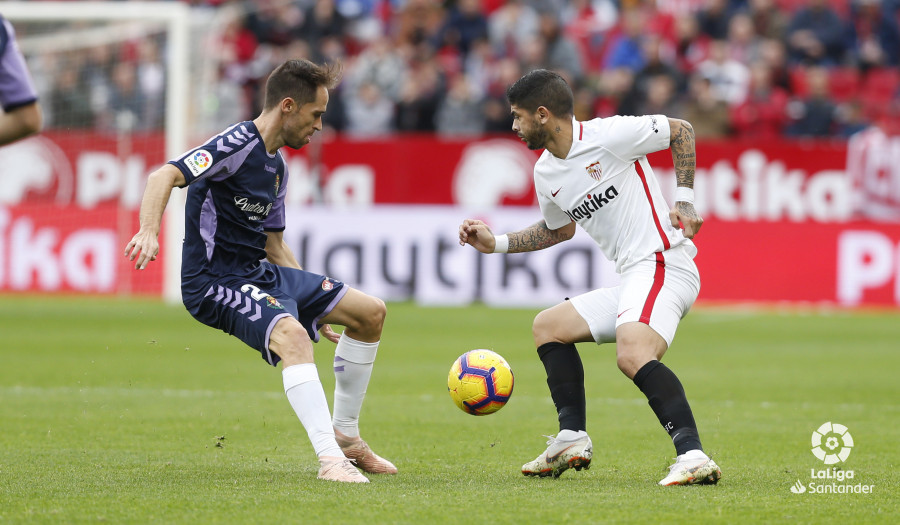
(542, 88)
(300, 79)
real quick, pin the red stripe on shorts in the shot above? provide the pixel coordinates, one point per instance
(659, 276)
(662, 234)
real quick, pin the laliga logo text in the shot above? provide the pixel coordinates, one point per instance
(831, 443)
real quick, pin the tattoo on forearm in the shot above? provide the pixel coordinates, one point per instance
(684, 153)
(536, 237)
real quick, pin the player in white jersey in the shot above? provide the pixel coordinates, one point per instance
(596, 174)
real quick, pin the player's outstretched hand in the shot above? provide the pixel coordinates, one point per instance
(476, 233)
(329, 333)
(684, 216)
(144, 247)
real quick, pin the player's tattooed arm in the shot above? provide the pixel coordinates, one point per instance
(684, 156)
(538, 236)
(684, 151)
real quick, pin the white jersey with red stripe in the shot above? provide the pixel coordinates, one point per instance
(606, 185)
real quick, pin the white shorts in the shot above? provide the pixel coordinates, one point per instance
(657, 291)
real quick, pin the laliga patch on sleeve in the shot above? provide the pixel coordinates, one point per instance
(198, 161)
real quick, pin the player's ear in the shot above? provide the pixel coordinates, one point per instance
(543, 114)
(288, 105)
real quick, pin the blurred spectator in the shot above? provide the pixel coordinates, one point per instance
(587, 23)
(660, 98)
(151, 75)
(225, 103)
(70, 105)
(768, 20)
(814, 114)
(369, 112)
(874, 35)
(480, 66)
(728, 78)
(127, 104)
(691, 46)
(625, 48)
(774, 54)
(321, 20)
(460, 111)
(511, 26)
(816, 35)
(763, 115)
(713, 19)
(851, 119)
(95, 78)
(274, 21)
(743, 42)
(563, 56)
(654, 65)
(616, 95)
(417, 22)
(419, 98)
(707, 113)
(382, 65)
(465, 24)
(496, 108)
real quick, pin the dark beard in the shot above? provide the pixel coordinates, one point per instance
(538, 140)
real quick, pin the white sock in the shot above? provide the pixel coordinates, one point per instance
(307, 398)
(353, 361)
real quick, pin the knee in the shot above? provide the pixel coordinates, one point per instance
(370, 319)
(290, 341)
(542, 329)
(630, 359)
(376, 313)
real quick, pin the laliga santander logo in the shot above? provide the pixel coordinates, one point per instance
(832, 443)
(201, 159)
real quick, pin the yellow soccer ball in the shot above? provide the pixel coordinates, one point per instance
(480, 382)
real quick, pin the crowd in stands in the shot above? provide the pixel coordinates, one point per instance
(755, 69)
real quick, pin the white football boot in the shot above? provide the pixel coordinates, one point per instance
(339, 469)
(692, 468)
(569, 449)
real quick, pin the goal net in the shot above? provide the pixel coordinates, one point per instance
(112, 79)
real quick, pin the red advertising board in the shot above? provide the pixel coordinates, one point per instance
(849, 264)
(47, 248)
(813, 221)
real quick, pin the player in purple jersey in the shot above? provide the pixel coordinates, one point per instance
(234, 218)
(21, 114)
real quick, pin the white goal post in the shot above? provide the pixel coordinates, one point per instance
(174, 18)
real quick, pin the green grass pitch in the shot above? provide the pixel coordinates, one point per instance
(129, 411)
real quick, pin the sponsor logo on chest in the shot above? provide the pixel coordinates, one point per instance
(255, 211)
(592, 203)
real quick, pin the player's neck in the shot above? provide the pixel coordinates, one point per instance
(269, 131)
(559, 143)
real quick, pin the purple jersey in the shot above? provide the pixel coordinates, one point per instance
(235, 195)
(16, 87)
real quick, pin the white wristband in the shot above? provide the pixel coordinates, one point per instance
(683, 194)
(501, 243)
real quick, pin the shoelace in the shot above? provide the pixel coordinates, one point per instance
(349, 466)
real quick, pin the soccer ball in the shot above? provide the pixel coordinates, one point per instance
(480, 382)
